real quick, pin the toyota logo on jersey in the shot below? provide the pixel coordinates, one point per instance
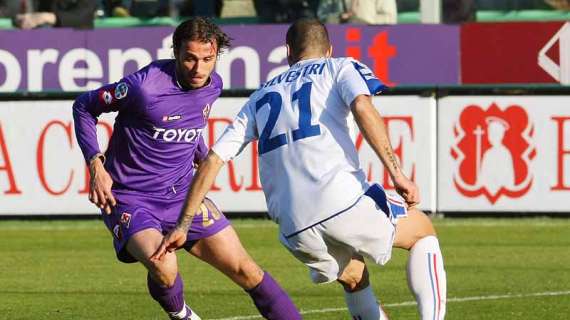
(176, 135)
(493, 150)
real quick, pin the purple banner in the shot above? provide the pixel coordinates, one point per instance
(73, 60)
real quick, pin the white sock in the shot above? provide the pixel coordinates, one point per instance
(426, 278)
(363, 305)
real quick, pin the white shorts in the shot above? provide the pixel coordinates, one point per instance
(364, 229)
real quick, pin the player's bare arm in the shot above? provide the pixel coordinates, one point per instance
(101, 184)
(202, 183)
(374, 131)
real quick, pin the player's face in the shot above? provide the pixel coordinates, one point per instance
(195, 61)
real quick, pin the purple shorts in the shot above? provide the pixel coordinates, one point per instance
(136, 211)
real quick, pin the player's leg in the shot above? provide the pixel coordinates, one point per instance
(225, 252)
(425, 270)
(164, 282)
(136, 237)
(363, 230)
(212, 239)
(358, 294)
(414, 231)
(329, 252)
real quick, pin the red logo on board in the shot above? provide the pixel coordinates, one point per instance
(493, 150)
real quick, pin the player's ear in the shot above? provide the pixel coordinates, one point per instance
(289, 57)
(329, 52)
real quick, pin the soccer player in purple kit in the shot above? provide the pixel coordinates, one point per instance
(141, 182)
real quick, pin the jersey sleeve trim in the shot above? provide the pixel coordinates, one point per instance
(374, 85)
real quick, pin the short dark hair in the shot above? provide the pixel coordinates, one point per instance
(307, 34)
(201, 29)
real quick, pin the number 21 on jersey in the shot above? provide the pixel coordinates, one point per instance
(275, 101)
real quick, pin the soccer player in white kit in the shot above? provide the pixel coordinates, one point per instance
(329, 216)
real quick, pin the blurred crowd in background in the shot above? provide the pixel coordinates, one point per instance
(29, 14)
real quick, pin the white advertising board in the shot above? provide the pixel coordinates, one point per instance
(504, 153)
(42, 170)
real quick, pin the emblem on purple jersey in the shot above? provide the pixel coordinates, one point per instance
(125, 219)
(121, 90)
(206, 112)
(106, 97)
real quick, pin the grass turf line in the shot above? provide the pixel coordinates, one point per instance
(67, 270)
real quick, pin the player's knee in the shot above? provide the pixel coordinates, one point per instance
(165, 279)
(354, 283)
(249, 271)
(161, 272)
(417, 226)
(247, 274)
(354, 280)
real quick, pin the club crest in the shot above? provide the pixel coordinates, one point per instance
(493, 150)
(125, 219)
(206, 112)
(106, 97)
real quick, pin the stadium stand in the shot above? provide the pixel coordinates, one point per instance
(243, 12)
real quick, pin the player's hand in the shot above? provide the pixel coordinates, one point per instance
(196, 162)
(101, 184)
(172, 241)
(35, 19)
(25, 21)
(407, 189)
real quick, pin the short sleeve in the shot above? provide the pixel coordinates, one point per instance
(238, 134)
(355, 78)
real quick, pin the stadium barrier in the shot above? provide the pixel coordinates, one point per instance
(474, 53)
(496, 150)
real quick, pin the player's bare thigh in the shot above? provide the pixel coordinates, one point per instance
(415, 226)
(225, 252)
(142, 245)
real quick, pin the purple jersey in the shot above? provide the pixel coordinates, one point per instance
(158, 130)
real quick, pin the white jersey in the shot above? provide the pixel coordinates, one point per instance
(308, 162)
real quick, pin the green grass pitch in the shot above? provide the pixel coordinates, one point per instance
(496, 269)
